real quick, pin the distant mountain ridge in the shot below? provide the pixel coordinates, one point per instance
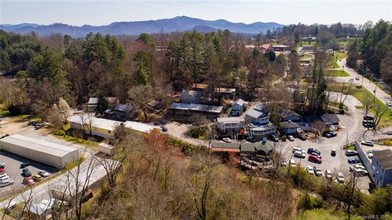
(176, 24)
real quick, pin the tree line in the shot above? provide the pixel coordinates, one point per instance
(48, 68)
(372, 53)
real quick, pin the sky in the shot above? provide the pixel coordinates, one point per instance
(104, 12)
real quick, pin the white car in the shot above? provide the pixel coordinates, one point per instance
(317, 171)
(292, 163)
(328, 174)
(298, 149)
(340, 177)
(310, 170)
(389, 103)
(300, 154)
(227, 140)
(283, 163)
(290, 137)
(43, 173)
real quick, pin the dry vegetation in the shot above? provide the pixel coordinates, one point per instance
(159, 182)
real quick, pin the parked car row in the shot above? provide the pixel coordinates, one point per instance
(358, 170)
(28, 178)
(5, 180)
(368, 121)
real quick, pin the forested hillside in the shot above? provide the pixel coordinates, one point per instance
(372, 54)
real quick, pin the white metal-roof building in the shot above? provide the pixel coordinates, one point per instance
(42, 151)
(104, 127)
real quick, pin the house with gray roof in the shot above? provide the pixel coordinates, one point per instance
(256, 117)
(289, 115)
(238, 107)
(330, 119)
(230, 125)
(123, 112)
(290, 128)
(382, 167)
(264, 148)
(260, 132)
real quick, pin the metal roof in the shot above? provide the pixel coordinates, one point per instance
(92, 101)
(230, 120)
(239, 102)
(196, 107)
(289, 124)
(256, 114)
(110, 125)
(384, 158)
(101, 123)
(38, 145)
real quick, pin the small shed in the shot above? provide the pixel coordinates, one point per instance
(106, 149)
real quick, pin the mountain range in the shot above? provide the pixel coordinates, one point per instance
(176, 24)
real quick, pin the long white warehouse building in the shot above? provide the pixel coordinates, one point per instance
(42, 151)
(105, 127)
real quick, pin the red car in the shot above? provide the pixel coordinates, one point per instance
(315, 159)
(2, 170)
(28, 181)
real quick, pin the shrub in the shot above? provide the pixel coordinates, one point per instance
(14, 110)
(197, 132)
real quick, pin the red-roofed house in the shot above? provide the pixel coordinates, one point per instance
(265, 48)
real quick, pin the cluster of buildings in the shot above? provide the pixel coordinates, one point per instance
(255, 122)
(196, 100)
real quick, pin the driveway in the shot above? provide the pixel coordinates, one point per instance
(178, 130)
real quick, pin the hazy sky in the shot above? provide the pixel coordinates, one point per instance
(100, 12)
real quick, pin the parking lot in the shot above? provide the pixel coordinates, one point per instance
(351, 130)
(12, 162)
(14, 171)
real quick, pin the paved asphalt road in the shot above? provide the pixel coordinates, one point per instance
(64, 181)
(370, 86)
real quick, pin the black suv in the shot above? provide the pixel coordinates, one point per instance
(311, 149)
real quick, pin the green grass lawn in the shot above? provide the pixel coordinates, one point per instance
(386, 120)
(323, 214)
(360, 94)
(341, 55)
(337, 73)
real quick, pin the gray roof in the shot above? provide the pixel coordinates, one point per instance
(263, 128)
(384, 157)
(196, 107)
(38, 145)
(255, 114)
(191, 93)
(265, 146)
(288, 113)
(216, 144)
(330, 118)
(230, 120)
(261, 108)
(239, 102)
(92, 101)
(289, 124)
(123, 108)
(247, 147)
